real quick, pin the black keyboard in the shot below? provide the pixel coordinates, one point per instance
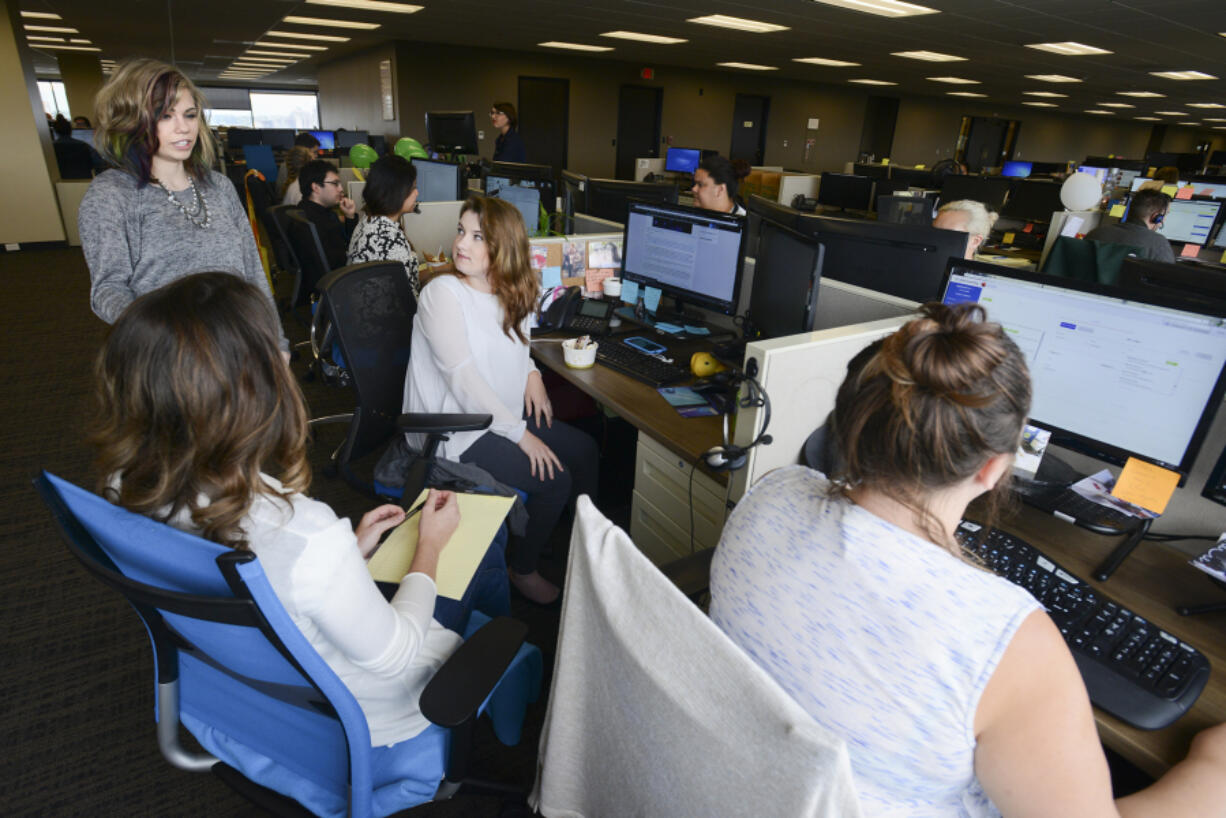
(638, 364)
(1071, 506)
(1133, 669)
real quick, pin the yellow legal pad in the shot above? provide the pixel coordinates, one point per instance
(480, 517)
(1146, 485)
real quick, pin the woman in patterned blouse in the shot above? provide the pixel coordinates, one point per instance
(390, 192)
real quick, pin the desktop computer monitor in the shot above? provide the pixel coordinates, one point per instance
(1191, 221)
(574, 198)
(344, 140)
(451, 131)
(609, 198)
(1116, 373)
(787, 273)
(845, 191)
(1198, 283)
(873, 171)
(906, 178)
(906, 209)
(692, 254)
(279, 139)
(327, 139)
(84, 134)
(1098, 173)
(1033, 200)
(682, 160)
(438, 181)
(1139, 180)
(759, 209)
(1016, 170)
(991, 192)
(1214, 190)
(379, 143)
(1046, 168)
(903, 260)
(242, 137)
(529, 187)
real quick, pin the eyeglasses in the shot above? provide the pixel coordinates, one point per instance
(336, 182)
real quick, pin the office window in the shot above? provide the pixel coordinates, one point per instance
(55, 101)
(228, 117)
(285, 110)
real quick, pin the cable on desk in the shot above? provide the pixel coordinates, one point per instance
(1175, 537)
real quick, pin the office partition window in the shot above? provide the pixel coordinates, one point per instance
(271, 109)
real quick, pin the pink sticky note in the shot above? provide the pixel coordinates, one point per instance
(1184, 192)
(1190, 251)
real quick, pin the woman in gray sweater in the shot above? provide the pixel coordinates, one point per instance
(161, 214)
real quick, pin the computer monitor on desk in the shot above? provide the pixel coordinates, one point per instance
(451, 131)
(609, 198)
(1016, 170)
(344, 140)
(787, 275)
(1190, 221)
(574, 198)
(1033, 200)
(529, 187)
(438, 181)
(694, 255)
(1116, 372)
(327, 139)
(760, 208)
(903, 260)
(682, 160)
(242, 137)
(989, 191)
(279, 139)
(845, 191)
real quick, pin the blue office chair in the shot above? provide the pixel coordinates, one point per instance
(231, 666)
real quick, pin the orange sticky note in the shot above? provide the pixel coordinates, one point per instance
(1149, 172)
(1184, 192)
(1029, 226)
(594, 279)
(1146, 485)
(1190, 250)
(1170, 190)
(1008, 239)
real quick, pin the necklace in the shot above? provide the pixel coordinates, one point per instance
(199, 214)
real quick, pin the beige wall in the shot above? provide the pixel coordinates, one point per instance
(349, 93)
(82, 77)
(30, 212)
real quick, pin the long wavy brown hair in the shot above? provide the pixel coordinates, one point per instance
(194, 401)
(511, 275)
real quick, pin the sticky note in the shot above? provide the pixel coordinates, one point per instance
(651, 298)
(885, 161)
(551, 276)
(671, 329)
(630, 291)
(594, 277)
(1223, 258)
(1146, 485)
(1184, 192)
(1170, 190)
(1029, 227)
(692, 330)
(1190, 250)
(1149, 172)
(1117, 211)
(1009, 237)
(920, 167)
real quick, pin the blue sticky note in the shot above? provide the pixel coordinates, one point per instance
(671, 329)
(630, 291)
(551, 277)
(692, 330)
(651, 298)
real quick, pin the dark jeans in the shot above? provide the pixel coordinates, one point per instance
(546, 498)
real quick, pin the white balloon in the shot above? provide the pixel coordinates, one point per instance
(1081, 191)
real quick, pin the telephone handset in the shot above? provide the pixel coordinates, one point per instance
(571, 311)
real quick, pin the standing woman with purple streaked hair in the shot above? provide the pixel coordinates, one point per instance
(161, 213)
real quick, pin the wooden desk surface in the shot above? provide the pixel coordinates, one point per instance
(1152, 581)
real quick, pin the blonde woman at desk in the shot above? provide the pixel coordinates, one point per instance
(716, 182)
(967, 216)
(954, 690)
(470, 354)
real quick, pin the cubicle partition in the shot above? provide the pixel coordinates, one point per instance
(433, 228)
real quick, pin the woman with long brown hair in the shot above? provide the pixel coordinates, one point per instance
(470, 354)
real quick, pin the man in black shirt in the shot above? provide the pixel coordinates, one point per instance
(1145, 215)
(321, 192)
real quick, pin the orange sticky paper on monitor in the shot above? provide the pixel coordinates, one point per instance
(1029, 226)
(1190, 250)
(1146, 485)
(1184, 192)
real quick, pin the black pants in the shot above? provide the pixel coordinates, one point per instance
(546, 498)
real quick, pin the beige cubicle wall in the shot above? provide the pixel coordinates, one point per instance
(69, 195)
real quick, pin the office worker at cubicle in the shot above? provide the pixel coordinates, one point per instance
(509, 146)
(390, 193)
(954, 690)
(716, 182)
(1163, 176)
(295, 160)
(161, 213)
(322, 195)
(471, 354)
(1140, 226)
(972, 218)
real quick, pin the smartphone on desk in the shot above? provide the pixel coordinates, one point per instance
(645, 345)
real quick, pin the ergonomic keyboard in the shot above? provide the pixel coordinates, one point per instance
(1133, 669)
(638, 364)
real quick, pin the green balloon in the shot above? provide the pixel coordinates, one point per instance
(362, 155)
(405, 146)
(417, 153)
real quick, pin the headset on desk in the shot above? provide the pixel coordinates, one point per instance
(728, 456)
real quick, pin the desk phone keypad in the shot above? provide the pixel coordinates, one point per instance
(1132, 668)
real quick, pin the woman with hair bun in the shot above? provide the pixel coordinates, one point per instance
(716, 182)
(953, 689)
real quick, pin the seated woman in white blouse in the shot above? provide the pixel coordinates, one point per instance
(390, 192)
(470, 354)
(954, 690)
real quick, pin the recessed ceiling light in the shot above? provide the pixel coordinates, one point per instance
(369, 5)
(644, 38)
(1041, 104)
(873, 82)
(1045, 94)
(1051, 78)
(41, 15)
(824, 61)
(738, 23)
(1206, 105)
(267, 60)
(80, 41)
(1182, 75)
(1097, 111)
(963, 94)
(1115, 105)
(575, 46)
(326, 23)
(882, 8)
(292, 46)
(1068, 49)
(258, 53)
(954, 80)
(1148, 118)
(930, 56)
(748, 66)
(44, 39)
(1196, 124)
(325, 38)
(1219, 127)
(67, 47)
(1140, 94)
(52, 29)
(1171, 113)
(1214, 119)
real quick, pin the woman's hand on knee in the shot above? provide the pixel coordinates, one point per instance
(543, 462)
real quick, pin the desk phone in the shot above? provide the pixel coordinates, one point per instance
(584, 316)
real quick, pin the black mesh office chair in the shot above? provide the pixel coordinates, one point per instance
(278, 227)
(74, 160)
(309, 250)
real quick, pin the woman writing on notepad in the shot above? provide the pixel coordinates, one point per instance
(201, 424)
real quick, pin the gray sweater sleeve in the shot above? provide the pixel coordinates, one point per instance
(102, 224)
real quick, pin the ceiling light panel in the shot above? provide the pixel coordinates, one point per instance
(1068, 49)
(1173, 75)
(954, 80)
(1148, 118)
(66, 47)
(737, 23)
(1041, 104)
(52, 29)
(928, 56)
(279, 54)
(1100, 112)
(826, 62)
(369, 5)
(882, 8)
(872, 82)
(40, 15)
(574, 46)
(1051, 78)
(748, 66)
(643, 38)
(326, 23)
(963, 94)
(1045, 94)
(1140, 94)
(1115, 105)
(295, 35)
(292, 46)
(1206, 105)
(1171, 113)
(45, 39)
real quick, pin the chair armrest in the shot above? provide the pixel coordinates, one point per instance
(467, 678)
(430, 423)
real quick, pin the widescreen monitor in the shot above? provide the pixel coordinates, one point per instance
(1033, 200)
(1197, 283)
(609, 198)
(529, 187)
(682, 160)
(241, 137)
(1116, 373)
(438, 181)
(574, 197)
(845, 191)
(906, 209)
(1016, 170)
(327, 139)
(907, 178)
(871, 170)
(760, 208)
(989, 191)
(1139, 180)
(1046, 168)
(694, 255)
(1214, 190)
(903, 260)
(279, 139)
(83, 134)
(451, 131)
(1098, 173)
(1190, 221)
(787, 274)
(344, 140)
(379, 143)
